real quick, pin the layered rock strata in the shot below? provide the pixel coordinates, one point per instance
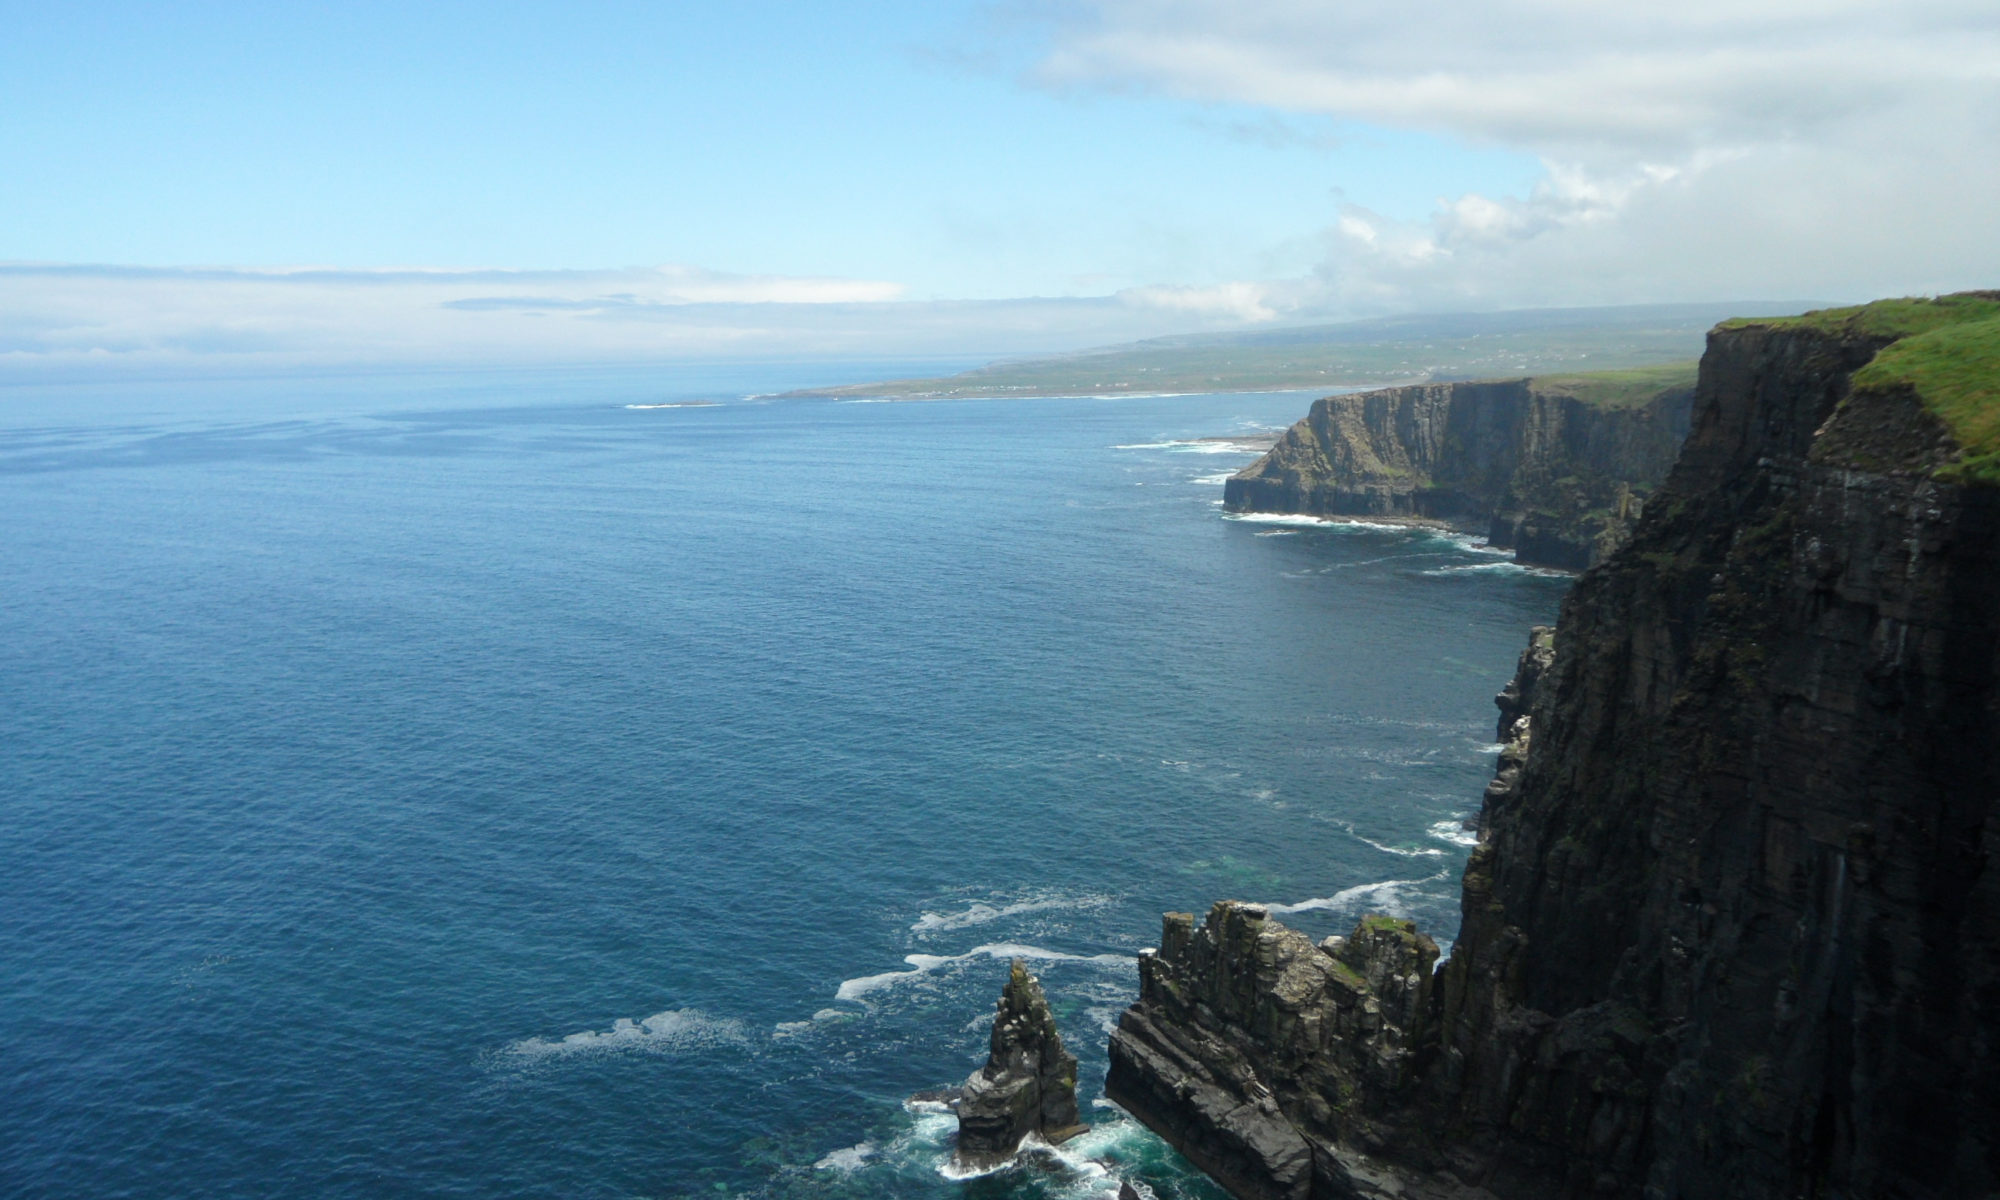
(1028, 1085)
(1732, 928)
(1550, 472)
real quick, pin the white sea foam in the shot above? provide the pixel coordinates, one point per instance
(1471, 543)
(1278, 533)
(786, 1029)
(1188, 446)
(1212, 480)
(1492, 568)
(1500, 568)
(980, 912)
(1301, 519)
(670, 1032)
(1387, 896)
(1400, 851)
(1309, 521)
(847, 1160)
(1455, 832)
(923, 964)
(694, 404)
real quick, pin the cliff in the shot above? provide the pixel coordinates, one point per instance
(1732, 928)
(1556, 468)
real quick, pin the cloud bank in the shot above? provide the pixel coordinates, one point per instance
(65, 317)
(1690, 148)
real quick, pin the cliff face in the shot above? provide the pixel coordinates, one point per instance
(1733, 925)
(1556, 472)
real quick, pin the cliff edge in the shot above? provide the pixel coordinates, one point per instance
(1732, 928)
(1556, 468)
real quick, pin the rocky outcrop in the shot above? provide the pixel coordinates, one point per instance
(1262, 1056)
(1028, 1085)
(1732, 928)
(1557, 470)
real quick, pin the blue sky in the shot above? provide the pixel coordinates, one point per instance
(887, 140)
(1176, 163)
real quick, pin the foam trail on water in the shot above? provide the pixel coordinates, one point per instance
(980, 912)
(1386, 893)
(923, 964)
(1498, 568)
(674, 1030)
(1400, 852)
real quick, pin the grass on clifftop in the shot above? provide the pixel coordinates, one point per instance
(1948, 352)
(1904, 317)
(1628, 388)
(1955, 370)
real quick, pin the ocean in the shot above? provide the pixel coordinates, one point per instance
(499, 785)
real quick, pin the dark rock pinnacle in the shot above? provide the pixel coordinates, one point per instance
(1028, 1084)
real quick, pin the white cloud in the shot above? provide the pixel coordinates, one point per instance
(1247, 302)
(1692, 149)
(1590, 76)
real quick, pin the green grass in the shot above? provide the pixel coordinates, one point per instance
(1955, 370)
(1628, 388)
(1904, 317)
(1947, 351)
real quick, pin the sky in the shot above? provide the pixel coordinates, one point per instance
(265, 184)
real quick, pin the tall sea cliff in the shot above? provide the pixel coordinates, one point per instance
(1555, 468)
(1732, 927)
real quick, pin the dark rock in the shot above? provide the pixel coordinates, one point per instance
(1556, 478)
(1732, 928)
(1028, 1085)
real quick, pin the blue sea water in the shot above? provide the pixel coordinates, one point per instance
(471, 785)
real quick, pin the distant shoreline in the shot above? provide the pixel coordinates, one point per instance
(883, 393)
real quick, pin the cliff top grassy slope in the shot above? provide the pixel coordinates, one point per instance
(1947, 352)
(1628, 388)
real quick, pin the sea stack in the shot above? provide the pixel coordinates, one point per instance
(1028, 1084)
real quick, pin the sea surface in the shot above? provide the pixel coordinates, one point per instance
(489, 785)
